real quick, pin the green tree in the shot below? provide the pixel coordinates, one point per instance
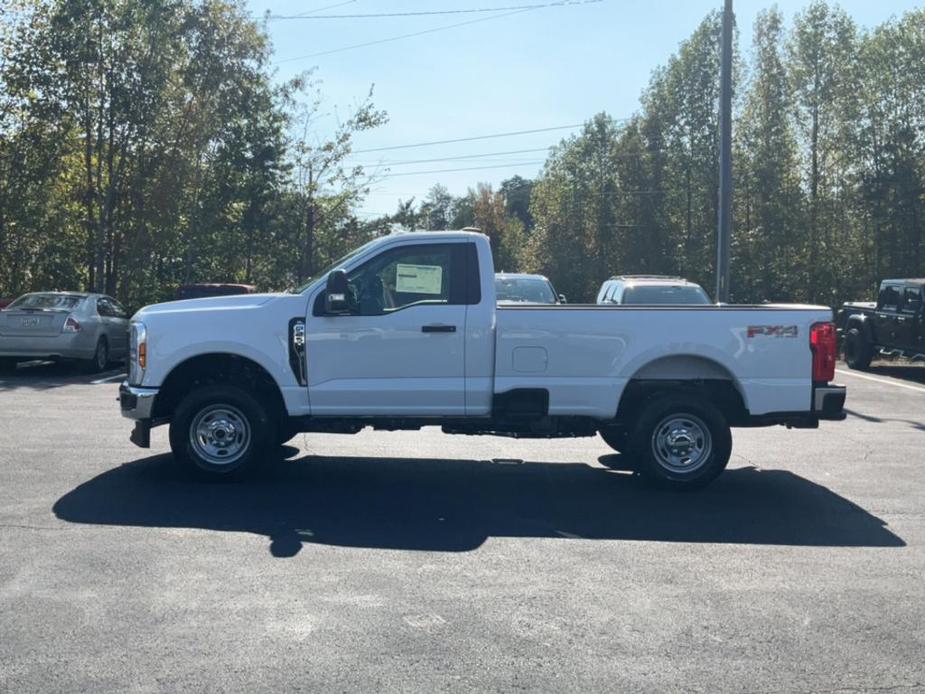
(768, 261)
(891, 149)
(822, 65)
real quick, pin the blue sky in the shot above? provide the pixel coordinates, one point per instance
(535, 69)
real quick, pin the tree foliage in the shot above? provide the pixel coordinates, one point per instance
(829, 166)
(145, 145)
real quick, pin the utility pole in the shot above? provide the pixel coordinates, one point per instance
(724, 226)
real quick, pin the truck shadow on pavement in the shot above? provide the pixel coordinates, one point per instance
(455, 505)
(874, 419)
(907, 371)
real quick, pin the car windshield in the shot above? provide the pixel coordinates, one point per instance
(47, 301)
(657, 294)
(336, 264)
(528, 290)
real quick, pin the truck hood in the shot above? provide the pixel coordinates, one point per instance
(215, 303)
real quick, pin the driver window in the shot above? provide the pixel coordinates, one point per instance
(889, 298)
(400, 278)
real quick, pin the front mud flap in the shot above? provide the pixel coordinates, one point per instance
(141, 434)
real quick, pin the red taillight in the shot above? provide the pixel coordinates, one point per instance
(71, 325)
(822, 344)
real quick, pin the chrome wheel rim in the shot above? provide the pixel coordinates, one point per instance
(681, 443)
(220, 434)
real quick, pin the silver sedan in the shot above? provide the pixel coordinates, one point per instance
(90, 328)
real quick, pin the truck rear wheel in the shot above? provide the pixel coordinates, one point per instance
(858, 351)
(680, 441)
(221, 431)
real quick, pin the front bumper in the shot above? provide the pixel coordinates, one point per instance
(829, 402)
(136, 402)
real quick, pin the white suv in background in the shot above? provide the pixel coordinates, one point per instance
(651, 290)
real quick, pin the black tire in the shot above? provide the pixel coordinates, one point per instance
(236, 422)
(659, 451)
(285, 432)
(858, 350)
(615, 437)
(100, 358)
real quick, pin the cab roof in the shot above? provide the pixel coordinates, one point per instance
(520, 276)
(660, 280)
(908, 280)
(442, 234)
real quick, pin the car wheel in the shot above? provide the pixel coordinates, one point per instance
(221, 431)
(100, 357)
(680, 441)
(858, 351)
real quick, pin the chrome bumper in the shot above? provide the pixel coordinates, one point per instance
(136, 402)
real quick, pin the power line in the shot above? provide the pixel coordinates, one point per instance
(470, 168)
(465, 156)
(471, 139)
(398, 38)
(423, 13)
(321, 9)
(488, 155)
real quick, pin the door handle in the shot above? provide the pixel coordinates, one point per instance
(438, 328)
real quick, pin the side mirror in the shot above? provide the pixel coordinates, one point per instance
(335, 293)
(562, 299)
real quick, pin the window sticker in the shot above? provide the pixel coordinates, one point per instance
(419, 279)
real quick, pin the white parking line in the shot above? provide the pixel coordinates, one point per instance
(881, 380)
(107, 379)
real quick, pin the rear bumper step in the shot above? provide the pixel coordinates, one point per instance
(829, 402)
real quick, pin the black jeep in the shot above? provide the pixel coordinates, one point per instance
(894, 325)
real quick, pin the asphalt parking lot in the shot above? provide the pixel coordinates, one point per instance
(423, 562)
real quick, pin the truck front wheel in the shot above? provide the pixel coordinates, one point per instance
(221, 430)
(680, 441)
(858, 351)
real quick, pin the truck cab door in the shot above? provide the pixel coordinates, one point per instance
(886, 321)
(910, 332)
(399, 347)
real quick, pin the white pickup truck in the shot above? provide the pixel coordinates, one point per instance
(404, 332)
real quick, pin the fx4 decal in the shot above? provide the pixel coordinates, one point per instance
(772, 330)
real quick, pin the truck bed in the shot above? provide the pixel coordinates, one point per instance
(586, 354)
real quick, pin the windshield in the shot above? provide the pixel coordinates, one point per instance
(336, 264)
(657, 294)
(528, 290)
(47, 301)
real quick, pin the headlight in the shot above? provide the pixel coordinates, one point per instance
(137, 354)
